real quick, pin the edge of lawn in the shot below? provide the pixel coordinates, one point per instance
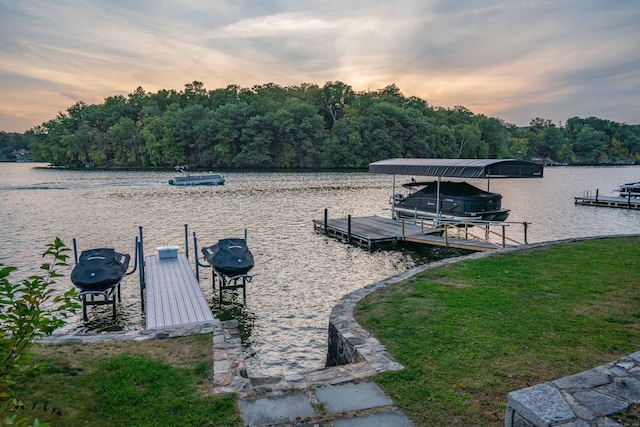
(469, 330)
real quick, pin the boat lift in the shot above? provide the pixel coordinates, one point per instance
(106, 296)
(455, 168)
(225, 282)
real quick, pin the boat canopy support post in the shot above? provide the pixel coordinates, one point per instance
(393, 200)
(438, 205)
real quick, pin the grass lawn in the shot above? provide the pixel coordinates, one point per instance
(470, 333)
(147, 383)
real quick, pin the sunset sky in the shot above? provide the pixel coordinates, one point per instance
(515, 60)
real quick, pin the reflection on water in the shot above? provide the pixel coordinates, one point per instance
(232, 306)
(299, 275)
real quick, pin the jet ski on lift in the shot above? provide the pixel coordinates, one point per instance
(231, 261)
(230, 257)
(98, 273)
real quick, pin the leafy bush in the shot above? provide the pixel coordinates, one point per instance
(29, 309)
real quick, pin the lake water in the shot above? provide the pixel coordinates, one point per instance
(299, 275)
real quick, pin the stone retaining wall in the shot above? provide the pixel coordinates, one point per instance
(350, 343)
(590, 398)
(353, 353)
(582, 400)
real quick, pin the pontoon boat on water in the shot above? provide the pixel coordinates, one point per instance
(189, 179)
(458, 201)
(629, 190)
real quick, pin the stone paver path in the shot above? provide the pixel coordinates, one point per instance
(346, 405)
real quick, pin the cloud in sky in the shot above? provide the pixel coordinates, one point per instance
(510, 59)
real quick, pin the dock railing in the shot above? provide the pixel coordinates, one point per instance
(466, 229)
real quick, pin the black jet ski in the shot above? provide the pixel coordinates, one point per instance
(230, 257)
(99, 269)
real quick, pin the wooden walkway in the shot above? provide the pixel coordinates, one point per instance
(609, 202)
(374, 230)
(173, 295)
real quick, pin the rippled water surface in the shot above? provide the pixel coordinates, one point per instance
(299, 275)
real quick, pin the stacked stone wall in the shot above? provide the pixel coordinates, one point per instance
(593, 398)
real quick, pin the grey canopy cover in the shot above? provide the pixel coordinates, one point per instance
(459, 168)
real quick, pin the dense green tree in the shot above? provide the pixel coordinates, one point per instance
(304, 126)
(341, 147)
(225, 128)
(518, 148)
(124, 138)
(590, 143)
(495, 135)
(553, 140)
(444, 142)
(161, 147)
(565, 154)
(629, 137)
(256, 142)
(11, 142)
(299, 133)
(469, 142)
(335, 96)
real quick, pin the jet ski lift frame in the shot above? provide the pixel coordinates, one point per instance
(109, 295)
(224, 281)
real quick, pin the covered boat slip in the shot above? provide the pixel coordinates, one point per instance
(460, 200)
(439, 230)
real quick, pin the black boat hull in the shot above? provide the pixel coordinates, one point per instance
(458, 201)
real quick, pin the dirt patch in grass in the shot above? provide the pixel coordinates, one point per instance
(143, 383)
(442, 280)
(178, 352)
(194, 351)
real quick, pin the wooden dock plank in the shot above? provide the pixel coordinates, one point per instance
(173, 294)
(376, 230)
(373, 228)
(451, 242)
(609, 202)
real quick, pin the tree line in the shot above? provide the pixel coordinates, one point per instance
(305, 126)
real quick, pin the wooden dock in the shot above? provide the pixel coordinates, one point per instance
(173, 295)
(374, 230)
(609, 201)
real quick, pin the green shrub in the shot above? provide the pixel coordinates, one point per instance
(29, 309)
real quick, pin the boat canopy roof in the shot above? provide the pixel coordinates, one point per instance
(459, 168)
